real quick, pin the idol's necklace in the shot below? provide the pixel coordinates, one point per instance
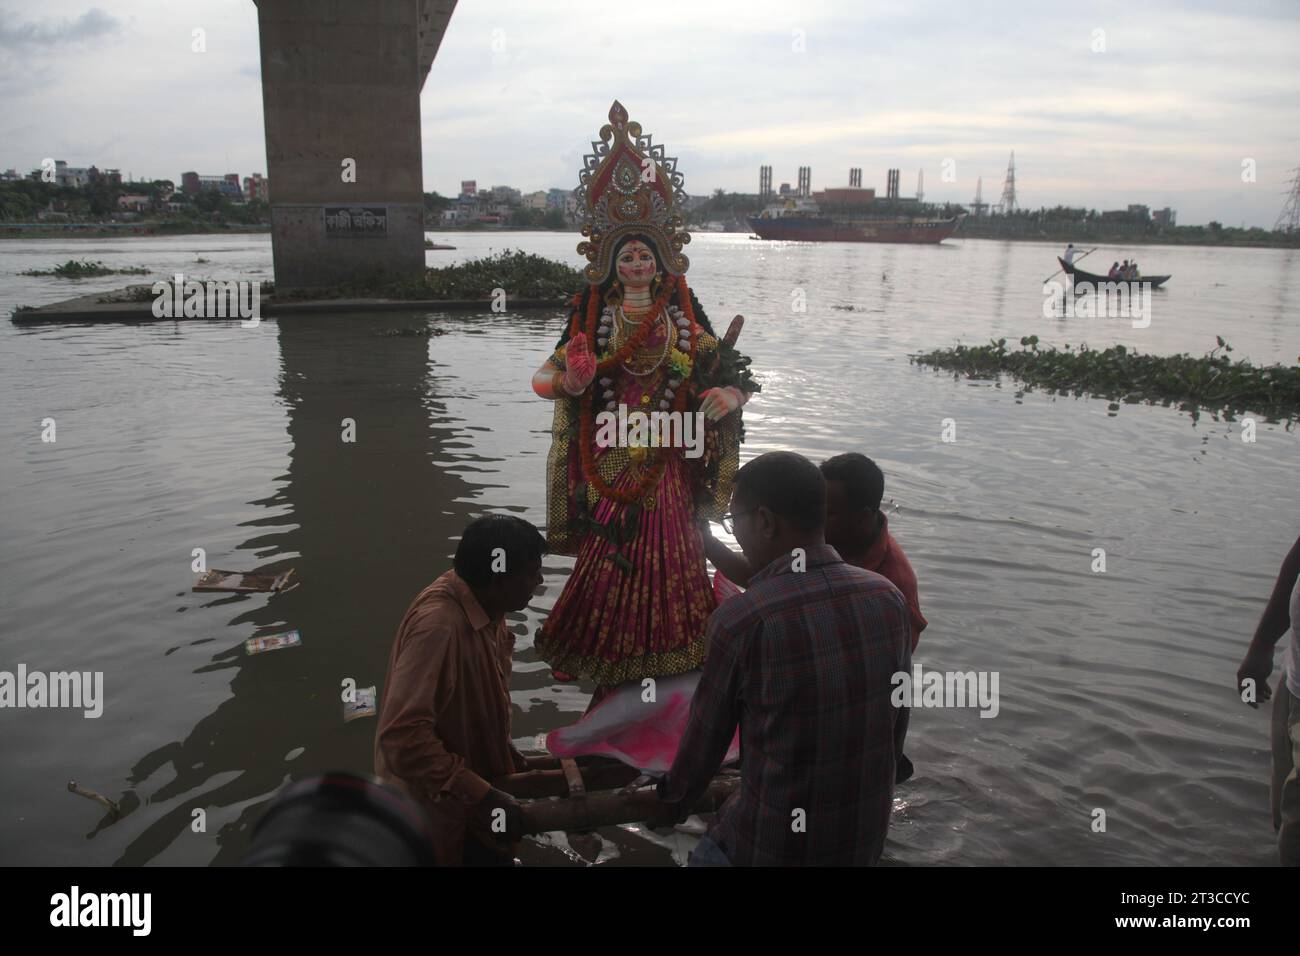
(622, 321)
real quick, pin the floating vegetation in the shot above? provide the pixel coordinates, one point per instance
(426, 331)
(85, 269)
(521, 275)
(1213, 382)
(145, 293)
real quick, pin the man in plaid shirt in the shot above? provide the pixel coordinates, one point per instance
(803, 662)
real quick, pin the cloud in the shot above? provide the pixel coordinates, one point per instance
(51, 32)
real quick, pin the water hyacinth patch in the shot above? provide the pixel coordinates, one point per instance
(1213, 382)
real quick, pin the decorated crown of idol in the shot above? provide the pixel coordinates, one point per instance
(627, 185)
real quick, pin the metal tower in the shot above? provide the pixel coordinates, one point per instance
(1288, 220)
(1007, 204)
(979, 206)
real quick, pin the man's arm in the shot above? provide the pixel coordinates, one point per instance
(1258, 662)
(903, 767)
(732, 565)
(715, 712)
(423, 676)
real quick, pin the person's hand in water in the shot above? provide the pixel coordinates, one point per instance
(581, 365)
(1257, 666)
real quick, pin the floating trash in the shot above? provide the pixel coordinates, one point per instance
(114, 811)
(245, 582)
(364, 706)
(272, 642)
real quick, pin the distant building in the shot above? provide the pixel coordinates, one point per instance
(468, 187)
(134, 203)
(10, 174)
(74, 176)
(556, 197)
(257, 186)
(1140, 213)
(785, 190)
(1164, 217)
(536, 200)
(228, 185)
(506, 194)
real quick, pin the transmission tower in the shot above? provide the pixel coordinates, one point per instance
(1288, 219)
(979, 206)
(1007, 204)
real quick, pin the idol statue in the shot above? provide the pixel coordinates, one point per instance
(647, 428)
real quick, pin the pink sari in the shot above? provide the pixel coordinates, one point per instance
(613, 625)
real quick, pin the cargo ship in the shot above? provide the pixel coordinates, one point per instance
(849, 215)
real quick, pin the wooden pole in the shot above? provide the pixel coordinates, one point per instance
(1082, 255)
(605, 809)
(554, 783)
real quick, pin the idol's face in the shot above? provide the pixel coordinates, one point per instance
(636, 264)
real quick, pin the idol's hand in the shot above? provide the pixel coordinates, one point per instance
(581, 365)
(717, 403)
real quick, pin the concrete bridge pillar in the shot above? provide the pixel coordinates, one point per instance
(341, 85)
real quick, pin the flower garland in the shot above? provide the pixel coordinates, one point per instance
(617, 358)
(680, 363)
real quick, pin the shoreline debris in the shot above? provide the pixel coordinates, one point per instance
(114, 811)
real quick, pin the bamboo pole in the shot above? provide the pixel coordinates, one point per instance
(1080, 256)
(604, 809)
(552, 783)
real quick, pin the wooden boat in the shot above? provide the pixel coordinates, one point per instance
(1093, 279)
(595, 792)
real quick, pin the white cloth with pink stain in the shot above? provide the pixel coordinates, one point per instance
(641, 733)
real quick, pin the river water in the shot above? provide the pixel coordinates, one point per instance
(1116, 688)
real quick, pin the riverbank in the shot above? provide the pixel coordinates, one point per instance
(104, 230)
(508, 280)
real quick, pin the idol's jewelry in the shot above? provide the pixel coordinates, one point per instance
(669, 334)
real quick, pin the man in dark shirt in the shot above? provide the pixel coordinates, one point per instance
(803, 662)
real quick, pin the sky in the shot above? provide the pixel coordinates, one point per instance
(1193, 105)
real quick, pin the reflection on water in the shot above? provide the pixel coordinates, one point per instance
(1116, 688)
(366, 525)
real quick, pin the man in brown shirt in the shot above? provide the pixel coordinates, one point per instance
(444, 721)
